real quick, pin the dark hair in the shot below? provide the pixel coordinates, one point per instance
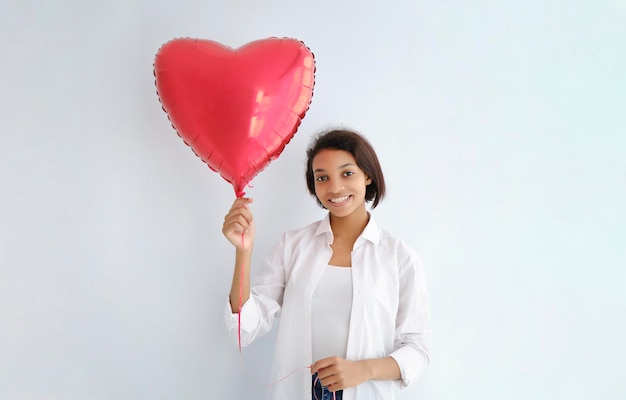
(361, 150)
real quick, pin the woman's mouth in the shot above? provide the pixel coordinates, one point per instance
(338, 201)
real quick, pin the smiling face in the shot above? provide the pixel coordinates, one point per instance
(363, 153)
(340, 184)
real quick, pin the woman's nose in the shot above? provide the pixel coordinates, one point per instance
(336, 185)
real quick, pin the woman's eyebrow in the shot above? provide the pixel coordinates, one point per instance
(345, 165)
(339, 167)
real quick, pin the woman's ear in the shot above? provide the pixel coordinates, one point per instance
(368, 181)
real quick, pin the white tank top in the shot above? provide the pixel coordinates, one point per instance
(330, 313)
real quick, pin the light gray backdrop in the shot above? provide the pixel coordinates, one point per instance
(501, 129)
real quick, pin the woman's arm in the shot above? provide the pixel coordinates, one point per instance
(337, 373)
(261, 301)
(239, 229)
(412, 342)
(240, 287)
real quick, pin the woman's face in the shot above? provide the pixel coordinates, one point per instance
(339, 182)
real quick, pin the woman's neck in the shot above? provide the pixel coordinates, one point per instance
(350, 226)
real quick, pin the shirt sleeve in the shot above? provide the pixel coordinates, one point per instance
(265, 301)
(412, 340)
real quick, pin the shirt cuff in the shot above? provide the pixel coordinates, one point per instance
(405, 357)
(249, 316)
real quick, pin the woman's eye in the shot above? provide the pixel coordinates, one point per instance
(348, 173)
(320, 178)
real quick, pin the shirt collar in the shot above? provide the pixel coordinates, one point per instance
(371, 231)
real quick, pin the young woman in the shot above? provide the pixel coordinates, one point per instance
(352, 298)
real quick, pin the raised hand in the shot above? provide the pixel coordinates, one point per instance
(240, 220)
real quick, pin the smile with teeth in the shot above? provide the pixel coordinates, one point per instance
(339, 200)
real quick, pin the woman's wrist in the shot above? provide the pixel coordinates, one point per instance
(385, 368)
(244, 253)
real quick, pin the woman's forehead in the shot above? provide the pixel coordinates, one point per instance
(332, 158)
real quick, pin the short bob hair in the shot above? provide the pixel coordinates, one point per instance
(363, 153)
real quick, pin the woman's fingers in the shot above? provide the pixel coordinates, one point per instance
(337, 373)
(239, 217)
(241, 202)
(239, 221)
(325, 364)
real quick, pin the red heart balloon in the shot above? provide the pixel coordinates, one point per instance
(235, 108)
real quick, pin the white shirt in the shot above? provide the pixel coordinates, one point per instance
(390, 308)
(331, 306)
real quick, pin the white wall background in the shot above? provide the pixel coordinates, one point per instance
(501, 126)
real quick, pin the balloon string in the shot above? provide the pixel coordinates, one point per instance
(240, 194)
(286, 376)
(254, 381)
(240, 298)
